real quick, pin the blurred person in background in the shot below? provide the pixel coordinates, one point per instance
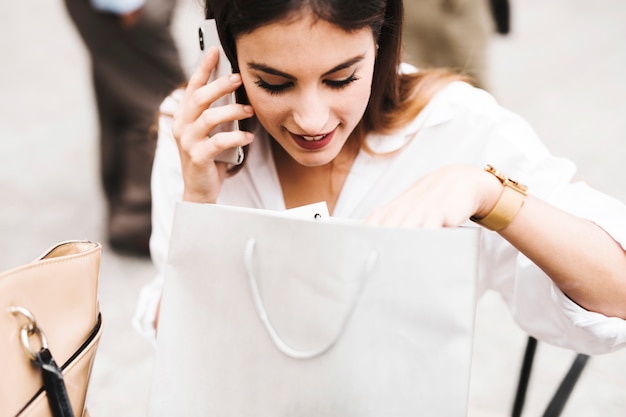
(453, 34)
(135, 64)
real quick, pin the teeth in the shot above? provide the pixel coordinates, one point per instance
(312, 138)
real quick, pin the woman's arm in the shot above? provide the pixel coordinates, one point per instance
(581, 258)
(584, 261)
(167, 190)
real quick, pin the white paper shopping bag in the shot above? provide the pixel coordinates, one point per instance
(264, 315)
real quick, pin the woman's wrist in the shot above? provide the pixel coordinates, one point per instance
(510, 199)
(490, 189)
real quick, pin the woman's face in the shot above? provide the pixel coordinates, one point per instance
(309, 83)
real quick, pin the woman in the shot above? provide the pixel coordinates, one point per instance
(329, 114)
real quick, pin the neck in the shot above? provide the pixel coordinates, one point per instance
(302, 185)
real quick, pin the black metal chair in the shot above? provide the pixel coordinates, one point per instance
(556, 405)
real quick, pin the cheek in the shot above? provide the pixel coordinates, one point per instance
(269, 110)
(355, 104)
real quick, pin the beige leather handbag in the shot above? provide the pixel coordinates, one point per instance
(50, 326)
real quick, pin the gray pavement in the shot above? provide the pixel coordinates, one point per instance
(562, 68)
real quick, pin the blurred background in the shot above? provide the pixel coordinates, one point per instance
(562, 67)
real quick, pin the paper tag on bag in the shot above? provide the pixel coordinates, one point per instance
(315, 211)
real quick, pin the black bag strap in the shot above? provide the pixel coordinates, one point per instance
(53, 384)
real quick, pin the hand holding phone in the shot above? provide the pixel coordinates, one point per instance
(207, 37)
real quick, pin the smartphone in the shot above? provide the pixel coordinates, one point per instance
(207, 37)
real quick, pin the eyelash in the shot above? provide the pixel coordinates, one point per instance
(279, 88)
(272, 88)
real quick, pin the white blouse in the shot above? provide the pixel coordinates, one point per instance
(463, 125)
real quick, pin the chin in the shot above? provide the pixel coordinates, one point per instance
(312, 161)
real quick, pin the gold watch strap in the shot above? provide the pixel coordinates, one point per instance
(508, 205)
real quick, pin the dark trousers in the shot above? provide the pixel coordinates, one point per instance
(133, 70)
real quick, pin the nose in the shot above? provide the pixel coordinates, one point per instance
(311, 112)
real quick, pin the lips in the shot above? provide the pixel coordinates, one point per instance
(312, 143)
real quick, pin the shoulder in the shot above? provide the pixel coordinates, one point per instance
(457, 93)
(468, 109)
(456, 102)
(461, 98)
(457, 114)
(460, 104)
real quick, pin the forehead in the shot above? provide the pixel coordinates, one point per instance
(305, 40)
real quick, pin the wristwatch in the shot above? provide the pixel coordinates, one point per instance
(508, 205)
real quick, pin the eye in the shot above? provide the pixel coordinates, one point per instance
(273, 88)
(339, 84)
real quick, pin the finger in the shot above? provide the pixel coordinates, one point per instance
(197, 122)
(430, 220)
(228, 140)
(381, 217)
(198, 80)
(202, 74)
(207, 150)
(213, 117)
(398, 214)
(214, 94)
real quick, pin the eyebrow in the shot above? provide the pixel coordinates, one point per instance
(269, 70)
